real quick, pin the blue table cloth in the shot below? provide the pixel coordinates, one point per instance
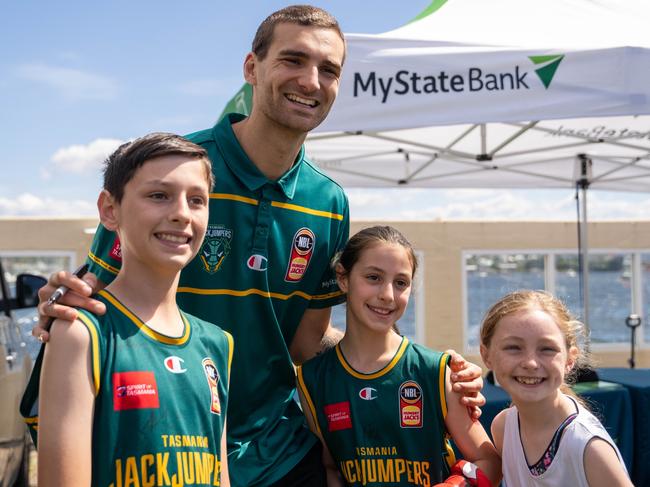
(637, 381)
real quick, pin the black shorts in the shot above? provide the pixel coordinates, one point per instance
(309, 472)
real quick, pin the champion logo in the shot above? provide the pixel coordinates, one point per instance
(368, 393)
(257, 262)
(174, 364)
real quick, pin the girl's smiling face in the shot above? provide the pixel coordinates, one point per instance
(529, 355)
(378, 287)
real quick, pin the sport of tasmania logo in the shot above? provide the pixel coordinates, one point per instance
(213, 379)
(116, 250)
(302, 248)
(338, 416)
(135, 390)
(410, 404)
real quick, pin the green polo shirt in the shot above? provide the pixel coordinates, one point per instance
(264, 261)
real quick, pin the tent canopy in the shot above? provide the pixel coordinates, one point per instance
(504, 93)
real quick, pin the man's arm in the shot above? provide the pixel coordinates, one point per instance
(78, 294)
(467, 380)
(314, 335)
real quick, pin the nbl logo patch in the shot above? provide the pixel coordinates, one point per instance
(212, 375)
(302, 248)
(215, 248)
(410, 405)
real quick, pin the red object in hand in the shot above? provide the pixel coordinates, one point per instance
(454, 481)
(465, 474)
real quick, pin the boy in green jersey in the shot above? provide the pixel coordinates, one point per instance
(138, 395)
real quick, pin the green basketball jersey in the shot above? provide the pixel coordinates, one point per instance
(160, 402)
(265, 261)
(384, 428)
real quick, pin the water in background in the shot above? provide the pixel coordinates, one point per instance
(609, 299)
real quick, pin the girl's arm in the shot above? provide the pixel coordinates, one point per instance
(333, 475)
(67, 399)
(470, 437)
(497, 427)
(223, 455)
(602, 466)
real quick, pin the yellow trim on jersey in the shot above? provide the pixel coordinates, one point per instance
(143, 326)
(32, 420)
(231, 348)
(277, 204)
(309, 211)
(379, 373)
(441, 383)
(233, 197)
(94, 341)
(310, 403)
(103, 264)
(259, 292)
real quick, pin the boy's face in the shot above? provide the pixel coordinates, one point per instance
(298, 80)
(162, 218)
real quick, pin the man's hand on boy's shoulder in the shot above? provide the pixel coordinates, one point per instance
(78, 295)
(467, 380)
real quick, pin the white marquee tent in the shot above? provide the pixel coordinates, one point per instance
(496, 94)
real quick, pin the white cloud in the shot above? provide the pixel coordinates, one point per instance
(73, 84)
(27, 204)
(81, 158)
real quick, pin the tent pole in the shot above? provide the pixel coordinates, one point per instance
(583, 182)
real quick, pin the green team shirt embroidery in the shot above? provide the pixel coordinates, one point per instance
(160, 403)
(386, 427)
(265, 260)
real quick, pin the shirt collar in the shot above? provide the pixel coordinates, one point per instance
(243, 168)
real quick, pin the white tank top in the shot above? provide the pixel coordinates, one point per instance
(567, 468)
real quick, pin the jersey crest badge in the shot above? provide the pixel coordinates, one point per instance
(215, 248)
(174, 364)
(212, 375)
(302, 248)
(135, 390)
(410, 404)
(368, 393)
(338, 416)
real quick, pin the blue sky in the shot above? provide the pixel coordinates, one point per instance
(77, 78)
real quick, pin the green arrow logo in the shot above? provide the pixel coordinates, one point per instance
(548, 68)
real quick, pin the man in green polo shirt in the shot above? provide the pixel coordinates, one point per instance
(263, 271)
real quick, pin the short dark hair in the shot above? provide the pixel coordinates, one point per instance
(306, 15)
(121, 165)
